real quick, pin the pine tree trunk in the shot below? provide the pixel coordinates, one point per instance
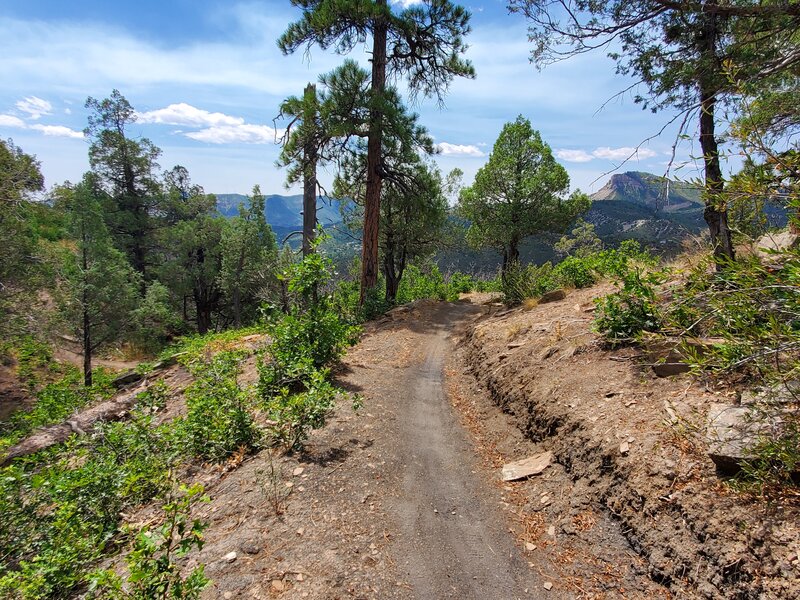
(372, 204)
(513, 252)
(237, 306)
(715, 213)
(392, 280)
(309, 173)
(203, 315)
(87, 324)
(87, 350)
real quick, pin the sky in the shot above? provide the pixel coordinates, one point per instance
(206, 79)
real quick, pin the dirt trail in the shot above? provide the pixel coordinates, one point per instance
(403, 499)
(453, 542)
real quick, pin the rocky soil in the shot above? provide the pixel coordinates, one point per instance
(630, 449)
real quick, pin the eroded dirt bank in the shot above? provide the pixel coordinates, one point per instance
(629, 452)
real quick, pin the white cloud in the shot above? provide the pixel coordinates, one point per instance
(578, 156)
(67, 111)
(11, 121)
(604, 152)
(186, 114)
(407, 3)
(58, 131)
(34, 107)
(51, 130)
(218, 128)
(622, 153)
(245, 133)
(459, 150)
(87, 56)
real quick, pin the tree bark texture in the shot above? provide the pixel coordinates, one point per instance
(715, 213)
(309, 172)
(87, 323)
(372, 203)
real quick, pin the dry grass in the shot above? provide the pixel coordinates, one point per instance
(530, 303)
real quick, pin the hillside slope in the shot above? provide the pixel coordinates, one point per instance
(633, 447)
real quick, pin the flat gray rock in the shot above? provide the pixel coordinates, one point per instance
(533, 465)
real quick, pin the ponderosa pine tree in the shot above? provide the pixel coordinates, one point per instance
(422, 43)
(519, 192)
(126, 170)
(321, 125)
(413, 207)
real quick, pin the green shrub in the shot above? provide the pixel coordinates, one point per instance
(153, 571)
(622, 316)
(293, 414)
(292, 383)
(530, 281)
(575, 272)
(218, 420)
(61, 507)
(318, 335)
(419, 283)
(461, 283)
(486, 284)
(32, 356)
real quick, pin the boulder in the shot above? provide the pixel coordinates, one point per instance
(552, 296)
(769, 246)
(127, 379)
(733, 431)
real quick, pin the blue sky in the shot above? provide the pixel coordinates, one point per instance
(207, 79)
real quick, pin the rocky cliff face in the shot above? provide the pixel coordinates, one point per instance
(651, 191)
(654, 210)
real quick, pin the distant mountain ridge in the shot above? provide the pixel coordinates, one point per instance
(656, 211)
(652, 191)
(282, 211)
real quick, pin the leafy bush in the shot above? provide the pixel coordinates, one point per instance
(318, 335)
(486, 284)
(32, 355)
(576, 272)
(293, 384)
(218, 422)
(293, 414)
(153, 572)
(530, 281)
(61, 507)
(426, 282)
(622, 316)
(461, 283)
